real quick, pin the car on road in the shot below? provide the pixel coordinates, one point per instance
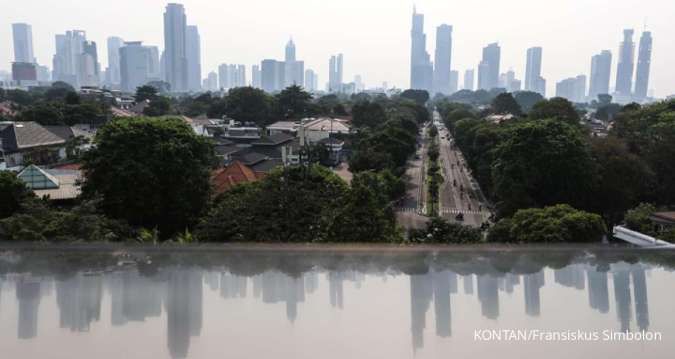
(460, 217)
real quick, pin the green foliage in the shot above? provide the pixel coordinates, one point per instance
(556, 224)
(13, 194)
(622, 179)
(556, 108)
(146, 93)
(542, 163)
(37, 222)
(248, 104)
(637, 218)
(527, 99)
(419, 96)
(368, 114)
(504, 104)
(148, 236)
(301, 204)
(293, 103)
(441, 231)
(152, 172)
(649, 132)
(159, 106)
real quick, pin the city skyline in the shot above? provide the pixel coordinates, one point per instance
(376, 67)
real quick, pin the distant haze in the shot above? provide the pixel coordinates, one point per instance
(374, 35)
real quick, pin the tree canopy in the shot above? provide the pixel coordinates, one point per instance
(152, 172)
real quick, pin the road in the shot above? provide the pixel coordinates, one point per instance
(410, 214)
(459, 192)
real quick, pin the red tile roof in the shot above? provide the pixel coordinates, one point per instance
(223, 179)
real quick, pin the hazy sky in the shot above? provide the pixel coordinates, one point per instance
(374, 35)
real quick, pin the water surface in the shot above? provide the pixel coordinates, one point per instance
(323, 304)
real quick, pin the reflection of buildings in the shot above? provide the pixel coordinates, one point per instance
(134, 297)
(622, 296)
(640, 294)
(488, 295)
(335, 289)
(532, 283)
(79, 301)
(232, 286)
(183, 310)
(598, 295)
(28, 295)
(468, 284)
(507, 282)
(421, 292)
(571, 276)
(443, 283)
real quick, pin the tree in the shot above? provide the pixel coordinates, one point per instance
(504, 104)
(623, 179)
(558, 108)
(638, 218)
(560, 223)
(542, 163)
(13, 193)
(527, 99)
(146, 93)
(249, 104)
(368, 114)
(604, 99)
(441, 231)
(44, 113)
(419, 96)
(159, 106)
(152, 172)
(293, 102)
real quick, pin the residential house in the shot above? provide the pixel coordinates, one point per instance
(53, 184)
(22, 142)
(224, 179)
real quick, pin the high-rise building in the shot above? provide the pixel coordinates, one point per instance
(294, 70)
(89, 67)
(290, 51)
(311, 80)
(66, 61)
(255, 76)
(601, 67)
(24, 72)
(194, 58)
(443, 61)
(138, 65)
(454, 82)
(643, 66)
(469, 80)
(488, 69)
(112, 73)
(533, 80)
(232, 76)
(335, 73)
(23, 43)
(509, 82)
(175, 51)
(211, 82)
(421, 68)
(624, 73)
(271, 72)
(573, 89)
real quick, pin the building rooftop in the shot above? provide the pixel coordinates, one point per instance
(17, 136)
(274, 140)
(224, 179)
(55, 184)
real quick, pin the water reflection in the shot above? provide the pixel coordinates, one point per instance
(176, 291)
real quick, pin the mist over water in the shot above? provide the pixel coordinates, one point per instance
(322, 304)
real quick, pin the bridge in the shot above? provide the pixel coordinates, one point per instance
(639, 239)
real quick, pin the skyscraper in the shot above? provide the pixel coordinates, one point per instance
(533, 80)
(175, 54)
(138, 65)
(194, 58)
(443, 60)
(23, 43)
(454, 82)
(66, 61)
(294, 69)
(643, 66)
(573, 89)
(255, 76)
(601, 67)
(624, 73)
(270, 76)
(469, 79)
(335, 73)
(421, 68)
(88, 65)
(488, 69)
(311, 80)
(112, 73)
